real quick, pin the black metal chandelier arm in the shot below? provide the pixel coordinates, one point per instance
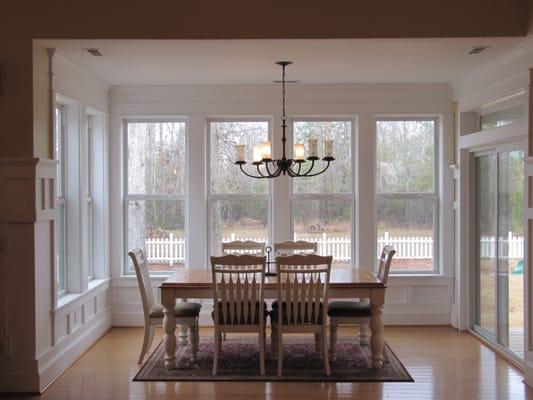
(260, 173)
(250, 175)
(308, 175)
(292, 173)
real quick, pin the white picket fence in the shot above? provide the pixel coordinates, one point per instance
(172, 250)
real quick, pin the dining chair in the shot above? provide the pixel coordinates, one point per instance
(238, 298)
(357, 312)
(301, 305)
(185, 313)
(244, 247)
(295, 247)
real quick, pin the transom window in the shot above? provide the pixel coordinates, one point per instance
(406, 192)
(322, 206)
(239, 206)
(155, 198)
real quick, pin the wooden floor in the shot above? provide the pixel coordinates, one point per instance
(445, 364)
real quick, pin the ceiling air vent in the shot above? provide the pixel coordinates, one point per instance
(478, 49)
(94, 52)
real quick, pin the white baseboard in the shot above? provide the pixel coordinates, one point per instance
(62, 356)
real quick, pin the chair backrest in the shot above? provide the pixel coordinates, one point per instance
(238, 289)
(384, 263)
(303, 282)
(246, 247)
(143, 278)
(297, 247)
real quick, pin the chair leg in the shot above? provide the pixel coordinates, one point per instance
(193, 329)
(262, 352)
(325, 349)
(147, 341)
(218, 337)
(221, 338)
(332, 341)
(317, 343)
(363, 335)
(274, 341)
(280, 352)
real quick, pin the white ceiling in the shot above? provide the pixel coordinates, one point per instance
(164, 62)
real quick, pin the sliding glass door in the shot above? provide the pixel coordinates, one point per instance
(499, 252)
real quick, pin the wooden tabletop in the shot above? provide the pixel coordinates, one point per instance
(340, 277)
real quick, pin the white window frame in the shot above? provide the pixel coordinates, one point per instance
(328, 196)
(89, 165)
(142, 197)
(211, 197)
(61, 200)
(433, 196)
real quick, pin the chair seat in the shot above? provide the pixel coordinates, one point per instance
(298, 320)
(349, 309)
(181, 310)
(242, 321)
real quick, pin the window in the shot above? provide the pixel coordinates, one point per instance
(61, 203)
(322, 206)
(239, 206)
(156, 191)
(406, 192)
(503, 117)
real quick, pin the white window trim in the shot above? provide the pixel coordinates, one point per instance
(61, 200)
(132, 197)
(235, 196)
(434, 196)
(328, 196)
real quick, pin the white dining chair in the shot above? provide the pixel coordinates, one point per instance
(357, 312)
(295, 247)
(301, 305)
(185, 313)
(238, 298)
(244, 247)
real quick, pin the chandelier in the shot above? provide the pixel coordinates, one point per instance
(267, 167)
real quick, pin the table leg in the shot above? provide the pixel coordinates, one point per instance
(377, 335)
(169, 327)
(184, 332)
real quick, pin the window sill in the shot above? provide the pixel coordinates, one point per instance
(71, 300)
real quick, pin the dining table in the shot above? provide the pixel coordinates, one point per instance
(196, 283)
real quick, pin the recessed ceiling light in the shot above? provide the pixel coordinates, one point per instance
(478, 49)
(94, 52)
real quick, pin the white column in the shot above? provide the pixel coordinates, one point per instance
(196, 246)
(365, 226)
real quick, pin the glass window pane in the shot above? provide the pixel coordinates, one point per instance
(226, 177)
(58, 150)
(328, 222)
(238, 220)
(60, 247)
(511, 249)
(158, 226)
(405, 156)
(156, 157)
(407, 226)
(485, 215)
(503, 117)
(338, 178)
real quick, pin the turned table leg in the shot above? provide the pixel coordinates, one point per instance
(184, 332)
(377, 335)
(169, 327)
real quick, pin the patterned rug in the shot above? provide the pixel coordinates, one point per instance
(239, 361)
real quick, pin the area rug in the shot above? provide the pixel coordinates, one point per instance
(239, 361)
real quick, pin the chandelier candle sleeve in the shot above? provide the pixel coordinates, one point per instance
(266, 150)
(313, 147)
(299, 152)
(239, 152)
(328, 145)
(257, 153)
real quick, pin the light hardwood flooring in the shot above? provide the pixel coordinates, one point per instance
(445, 364)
